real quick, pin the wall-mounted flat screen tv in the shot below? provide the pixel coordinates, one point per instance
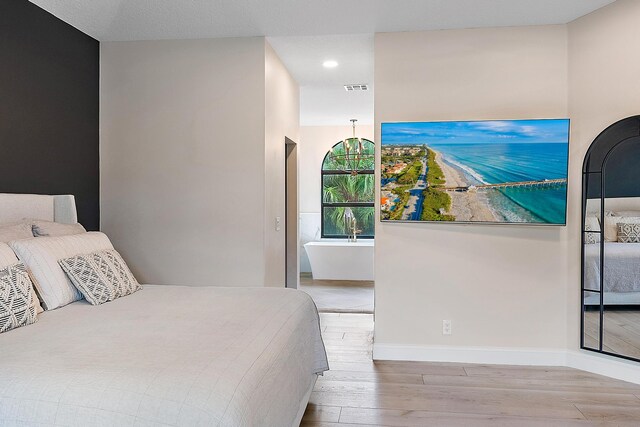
(494, 172)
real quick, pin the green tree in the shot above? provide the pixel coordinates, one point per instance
(348, 189)
(435, 176)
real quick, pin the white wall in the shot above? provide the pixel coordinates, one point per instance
(502, 286)
(315, 142)
(184, 145)
(604, 87)
(282, 118)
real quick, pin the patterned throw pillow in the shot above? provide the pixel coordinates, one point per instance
(591, 238)
(611, 226)
(100, 276)
(17, 300)
(592, 224)
(628, 232)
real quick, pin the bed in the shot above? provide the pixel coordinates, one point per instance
(621, 273)
(166, 355)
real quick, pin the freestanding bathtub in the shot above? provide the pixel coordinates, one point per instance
(340, 259)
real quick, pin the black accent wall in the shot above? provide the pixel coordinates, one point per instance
(49, 101)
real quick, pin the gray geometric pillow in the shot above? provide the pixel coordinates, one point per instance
(592, 224)
(628, 232)
(591, 236)
(100, 276)
(17, 298)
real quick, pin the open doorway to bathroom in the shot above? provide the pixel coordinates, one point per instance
(337, 251)
(335, 78)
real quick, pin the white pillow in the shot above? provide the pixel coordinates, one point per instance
(41, 256)
(15, 231)
(50, 228)
(7, 258)
(611, 226)
(592, 223)
(626, 213)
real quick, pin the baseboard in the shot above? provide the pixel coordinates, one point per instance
(584, 360)
(609, 366)
(482, 355)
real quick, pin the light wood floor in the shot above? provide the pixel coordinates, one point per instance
(358, 392)
(339, 296)
(621, 333)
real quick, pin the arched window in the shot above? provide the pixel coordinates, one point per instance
(348, 189)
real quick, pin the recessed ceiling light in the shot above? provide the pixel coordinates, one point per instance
(330, 64)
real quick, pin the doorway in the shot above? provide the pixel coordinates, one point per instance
(336, 203)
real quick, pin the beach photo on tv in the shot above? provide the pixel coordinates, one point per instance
(500, 171)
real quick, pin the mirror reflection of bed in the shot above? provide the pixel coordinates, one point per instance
(620, 275)
(611, 242)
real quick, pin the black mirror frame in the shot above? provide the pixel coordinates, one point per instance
(594, 164)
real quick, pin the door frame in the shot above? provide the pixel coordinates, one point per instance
(292, 235)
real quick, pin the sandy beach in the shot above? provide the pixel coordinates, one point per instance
(465, 206)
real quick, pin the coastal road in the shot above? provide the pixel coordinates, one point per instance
(413, 211)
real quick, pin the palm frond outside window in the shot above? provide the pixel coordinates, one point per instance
(348, 191)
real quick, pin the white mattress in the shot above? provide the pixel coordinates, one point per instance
(166, 355)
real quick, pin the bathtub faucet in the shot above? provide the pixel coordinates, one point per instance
(350, 225)
(353, 236)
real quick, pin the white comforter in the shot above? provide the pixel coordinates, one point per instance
(622, 267)
(167, 355)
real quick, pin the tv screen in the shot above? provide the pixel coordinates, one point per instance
(495, 172)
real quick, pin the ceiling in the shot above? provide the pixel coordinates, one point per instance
(307, 32)
(323, 99)
(110, 20)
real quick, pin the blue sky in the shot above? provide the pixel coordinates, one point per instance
(496, 131)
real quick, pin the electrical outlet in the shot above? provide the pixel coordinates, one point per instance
(446, 327)
(278, 223)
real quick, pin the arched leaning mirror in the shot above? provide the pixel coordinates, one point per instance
(611, 242)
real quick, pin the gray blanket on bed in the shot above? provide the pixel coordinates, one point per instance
(622, 267)
(167, 355)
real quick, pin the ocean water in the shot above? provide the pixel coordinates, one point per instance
(495, 163)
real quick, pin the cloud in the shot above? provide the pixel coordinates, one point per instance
(476, 132)
(524, 129)
(507, 128)
(496, 126)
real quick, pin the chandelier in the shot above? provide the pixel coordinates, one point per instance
(350, 155)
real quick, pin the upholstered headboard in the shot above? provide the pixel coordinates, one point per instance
(614, 204)
(15, 207)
